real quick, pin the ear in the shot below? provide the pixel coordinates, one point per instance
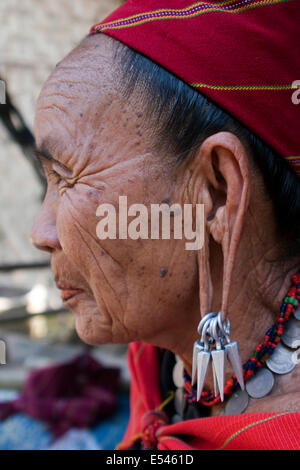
(220, 177)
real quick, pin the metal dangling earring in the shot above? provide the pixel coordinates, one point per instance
(215, 347)
(219, 357)
(199, 345)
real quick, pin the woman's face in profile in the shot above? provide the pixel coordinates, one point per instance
(94, 148)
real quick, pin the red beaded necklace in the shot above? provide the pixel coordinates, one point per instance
(261, 352)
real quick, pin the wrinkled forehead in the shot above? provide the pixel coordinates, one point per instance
(83, 85)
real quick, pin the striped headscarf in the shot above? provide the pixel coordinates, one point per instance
(242, 54)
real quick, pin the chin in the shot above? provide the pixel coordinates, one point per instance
(91, 326)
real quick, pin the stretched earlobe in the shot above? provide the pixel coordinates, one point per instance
(205, 278)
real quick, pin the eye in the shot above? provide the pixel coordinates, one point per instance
(58, 178)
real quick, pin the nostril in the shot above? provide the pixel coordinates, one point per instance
(45, 248)
(44, 236)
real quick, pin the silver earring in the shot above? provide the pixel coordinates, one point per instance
(215, 346)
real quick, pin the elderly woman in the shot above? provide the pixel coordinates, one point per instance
(186, 104)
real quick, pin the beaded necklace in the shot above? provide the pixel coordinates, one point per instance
(261, 353)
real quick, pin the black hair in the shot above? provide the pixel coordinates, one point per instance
(183, 118)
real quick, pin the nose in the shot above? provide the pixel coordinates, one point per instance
(43, 233)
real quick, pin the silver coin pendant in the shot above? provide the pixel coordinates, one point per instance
(291, 334)
(237, 403)
(281, 361)
(260, 384)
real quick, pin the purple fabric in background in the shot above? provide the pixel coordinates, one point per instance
(77, 393)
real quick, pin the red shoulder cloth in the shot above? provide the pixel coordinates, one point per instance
(261, 431)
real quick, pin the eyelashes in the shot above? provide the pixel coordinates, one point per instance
(60, 181)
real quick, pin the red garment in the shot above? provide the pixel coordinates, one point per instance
(242, 54)
(248, 431)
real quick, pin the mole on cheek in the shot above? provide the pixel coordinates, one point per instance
(163, 272)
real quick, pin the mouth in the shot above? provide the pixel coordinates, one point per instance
(68, 292)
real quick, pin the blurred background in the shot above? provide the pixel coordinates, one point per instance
(35, 330)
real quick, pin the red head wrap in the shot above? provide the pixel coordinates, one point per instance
(242, 54)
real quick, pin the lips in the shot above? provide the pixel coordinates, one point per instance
(68, 291)
(68, 294)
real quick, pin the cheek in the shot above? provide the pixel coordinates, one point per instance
(101, 263)
(162, 282)
(76, 220)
